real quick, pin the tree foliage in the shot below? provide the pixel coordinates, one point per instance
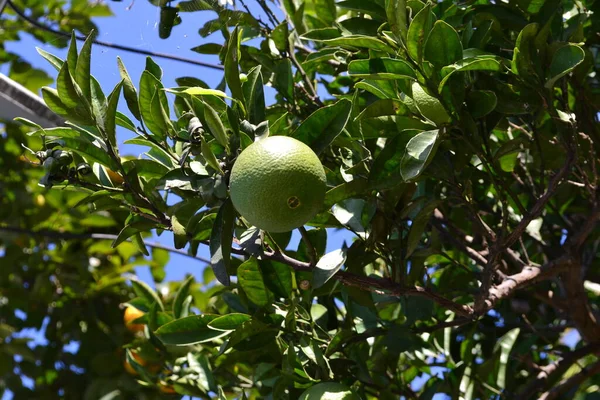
(460, 145)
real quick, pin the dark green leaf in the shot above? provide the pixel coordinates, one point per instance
(232, 59)
(129, 91)
(250, 279)
(359, 41)
(443, 46)
(324, 125)
(111, 115)
(220, 242)
(215, 125)
(417, 227)
(82, 71)
(381, 68)
(481, 102)
(153, 101)
(397, 17)
(229, 322)
(254, 95)
(418, 32)
(179, 309)
(564, 61)
(143, 290)
(188, 331)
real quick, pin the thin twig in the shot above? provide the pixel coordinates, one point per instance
(312, 252)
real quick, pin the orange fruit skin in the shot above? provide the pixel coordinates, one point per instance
(167, 389)
(150, 367)
(129, 368)
(131, 314)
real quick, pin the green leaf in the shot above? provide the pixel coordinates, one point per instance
(72, 54)
(419, 222)
(506, 343)
(329, 391)
(156, 152)
(69, 94)
(383, 107)
(419, 151)
(229, 322)
(525, 53)
(324, 125)
(232, 59)
(179, 309)
(209, 156)
(199, 91)
(284, 79)
(364, 6)
(154, 68)
(144, 291)
(250, 279)
(82, 71)
(381, 68)
(124, 121)
(129, 91)
(111, 115)
(418, 32)
(215, 126)
(345, 191)
(188, 331)
(153, 101)
(277, 277)
(443, 46)
(220, 242)
(564, 61)
(469, 64)
(396, 13)
(358, 41)
(254, 95)
(51, 58)
(328, 266)
(481, 102)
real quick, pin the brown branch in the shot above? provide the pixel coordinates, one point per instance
(551, 372)
(527, 277)
(574, 381)
(438, 221)
(578, 303)
(541, 202)
(376, 285)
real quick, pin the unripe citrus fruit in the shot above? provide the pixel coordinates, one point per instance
(429, 106)
(131, 314)
(277, 184)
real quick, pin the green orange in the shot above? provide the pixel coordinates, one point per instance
(278, 184)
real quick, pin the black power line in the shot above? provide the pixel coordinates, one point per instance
(22, 15)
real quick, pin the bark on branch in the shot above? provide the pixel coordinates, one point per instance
(551, 372)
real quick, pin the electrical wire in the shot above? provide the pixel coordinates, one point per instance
(38, 25)
(3, 4)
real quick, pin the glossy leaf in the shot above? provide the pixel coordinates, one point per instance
(188, 331)
(563, 62)
(328, 266)
(418, 32)
(381, 68)
(324, 125)
(220, 242)
(250, 278)
(443, 46)
(419, 151)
